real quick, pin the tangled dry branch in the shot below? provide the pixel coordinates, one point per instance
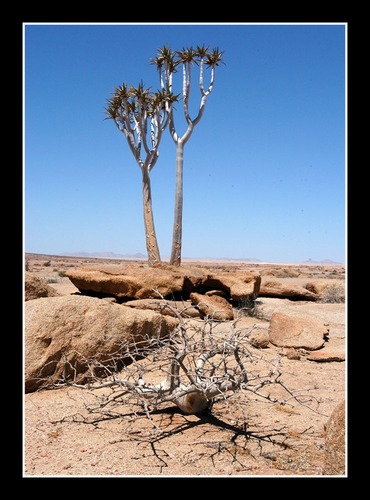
(199, 363)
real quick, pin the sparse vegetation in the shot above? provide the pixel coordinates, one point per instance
(333, 294)
(51, 279)
(250, 306)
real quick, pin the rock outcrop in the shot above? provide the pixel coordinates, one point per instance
(214, 306)
(288, 330)
(328, 291)
(36, 288)
(168, 308)
(64, 334)
(237, 287)
(140, 283)
(278, 289)
(326, 355)
(166, 281)
(335, 445)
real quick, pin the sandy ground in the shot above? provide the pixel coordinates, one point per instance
(244, 435)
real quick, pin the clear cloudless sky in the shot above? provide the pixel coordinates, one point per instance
(264, 170)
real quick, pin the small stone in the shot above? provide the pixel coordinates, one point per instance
(293, 354)
(324, 355)
(259, 338)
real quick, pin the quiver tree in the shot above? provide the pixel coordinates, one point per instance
(142, 117)
(167, 62)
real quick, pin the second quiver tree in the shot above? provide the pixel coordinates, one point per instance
(142, 117)
(167, 62)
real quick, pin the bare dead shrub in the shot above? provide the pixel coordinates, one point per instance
(200, 363)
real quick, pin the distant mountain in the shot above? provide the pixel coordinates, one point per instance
(325, 261)
(104, 255)
(241, 259)
(223, 259)
(139, 256)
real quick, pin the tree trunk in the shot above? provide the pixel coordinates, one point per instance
(177, 225)
(192, 403)
(150, 235)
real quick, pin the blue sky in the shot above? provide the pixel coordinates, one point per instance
(264, 170)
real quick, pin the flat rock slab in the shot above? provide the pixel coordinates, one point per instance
(215, 307)
(168, 308)
(143, 282)
(326, 355)
(335, 314)
(279, 289)
(138, 283)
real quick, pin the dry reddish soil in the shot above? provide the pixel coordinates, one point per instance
(241, 436)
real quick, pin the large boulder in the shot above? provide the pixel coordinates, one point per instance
(36, 288)
(143, 282)
(64, 334)
(238, 287)
(315, 317)
(282, 290)
(290, 330)
(335, 442)
(132, 283)
(328, 290)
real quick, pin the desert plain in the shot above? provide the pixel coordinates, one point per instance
(240, 436)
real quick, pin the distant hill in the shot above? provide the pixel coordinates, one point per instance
(224, 259)
(104, 255)
(322, 262)
(141, 256)
(138, 255)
